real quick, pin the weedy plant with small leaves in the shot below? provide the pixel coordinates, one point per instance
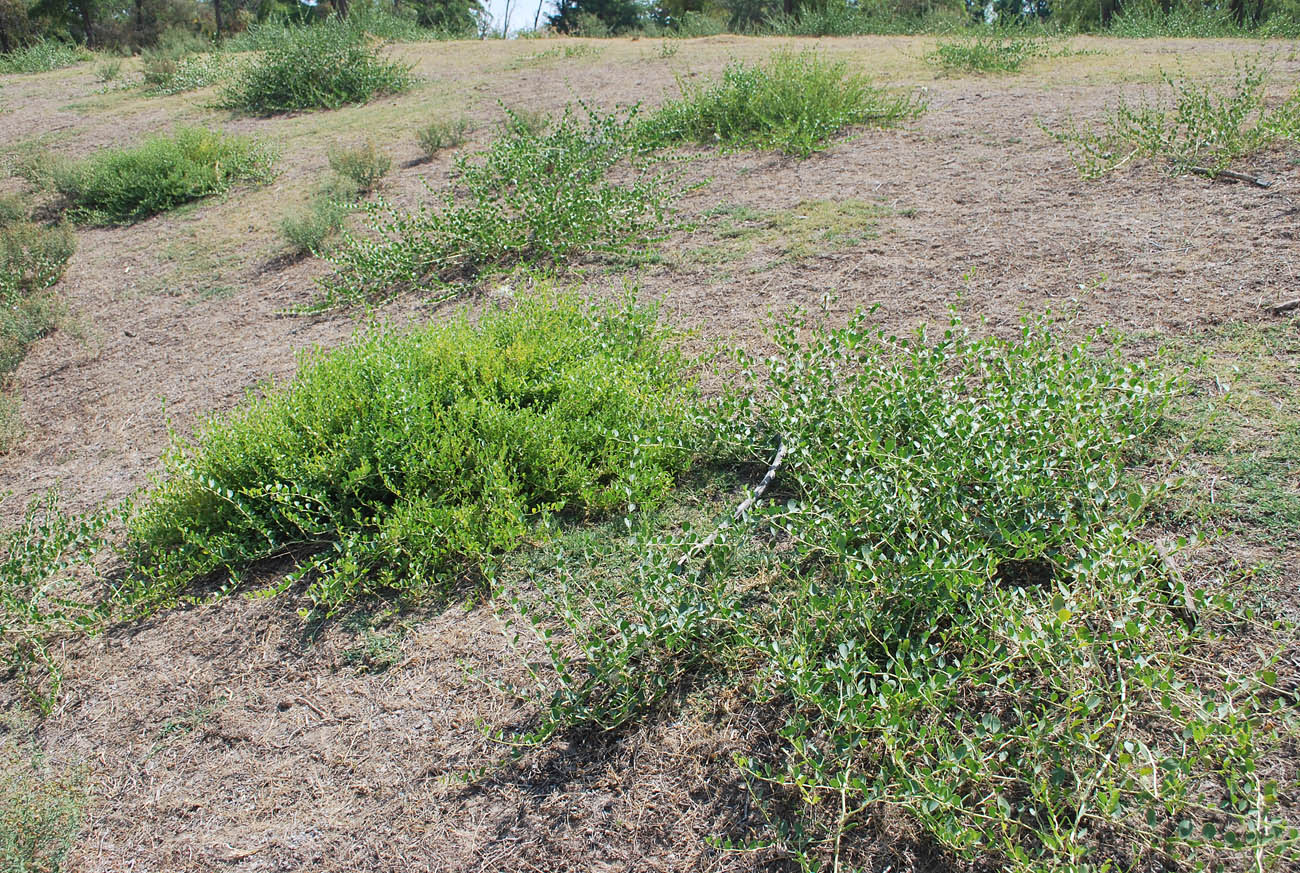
(963, 622)
(796, 104)
(437, 136)
(42, 57)
(531, 198)
(985, 53)
(1196, 129)
(364, 165)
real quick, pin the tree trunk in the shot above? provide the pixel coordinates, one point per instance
(216, 13)
(341, 8)
(87, 23)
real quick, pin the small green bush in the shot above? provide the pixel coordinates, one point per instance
(321, 67)
(438, 135)
(523, 121)
(166, 74)
(23, 322)
(309, 231)
(795, 104)
(530, 198)
(32, 258)
(120, 186)
(12, 209)
(365, 165)
(1195, 129)
(985, 53)
(406, 460)
(108, 71)
(43, 57)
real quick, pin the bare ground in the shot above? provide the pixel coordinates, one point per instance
(226, 736)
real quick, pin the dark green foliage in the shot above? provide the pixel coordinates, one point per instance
(530, 198)
(321, 67)
(406, 460)
(964, 624)
(609, 17)
(120, 186)
(795, 104)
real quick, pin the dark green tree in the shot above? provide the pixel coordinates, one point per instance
(617, 15)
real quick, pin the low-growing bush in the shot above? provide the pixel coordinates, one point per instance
(963, 628)
(406, 460)
(32, 258)
(523, 121)
(985, 53)
(365, 165)
(12, 209)
(108, 71)
(41, 808)
(165, 74)
(119, 186)
(321, 67)
(796, 104)
(309, 231)
(443, 134)
(530, 198)
(1196, 129)
(42, 57)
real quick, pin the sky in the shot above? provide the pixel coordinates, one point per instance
(521, 12)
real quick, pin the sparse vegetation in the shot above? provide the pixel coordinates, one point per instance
(169, 74)
(529, 199)
(40, 808)
(1196, 129)
(966, 625)
(32, 258)
(41, 57)
(120, 186)
(439, 135)
(795, 104)
(322, 67)
(311, 230)
(985, 53)
(364, 165)
(108, 71)
(812, 227)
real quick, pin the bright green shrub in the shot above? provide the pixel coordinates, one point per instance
(321, 67)
(795, 104)
(120, 186)
(406, 460)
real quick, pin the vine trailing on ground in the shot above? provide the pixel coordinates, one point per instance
(1196, 130)
(536, 196)
(964, 624)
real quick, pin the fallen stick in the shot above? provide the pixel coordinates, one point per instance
(1279, 308)
(744, 507)
(1230, 174)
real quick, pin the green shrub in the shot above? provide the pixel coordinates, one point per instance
(530, 198)
(43, 57)
(1151, 18)
(32, 258)
(309, 231)
(985, 53)
(120, 186)
(523, 121)
(321, 67)
(23, 322)
(1196, 130)
(365, 165)
(439, 135)
(964, 626)
(108, 71)
(12, 209)
(406, 460)
(795, 104)
(165, 74)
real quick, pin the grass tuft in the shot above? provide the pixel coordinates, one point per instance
(985, 53)
(437, 136)
(796, 104)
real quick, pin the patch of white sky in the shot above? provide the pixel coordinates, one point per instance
(522, 13)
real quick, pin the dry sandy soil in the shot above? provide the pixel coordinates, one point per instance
(226, 737)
